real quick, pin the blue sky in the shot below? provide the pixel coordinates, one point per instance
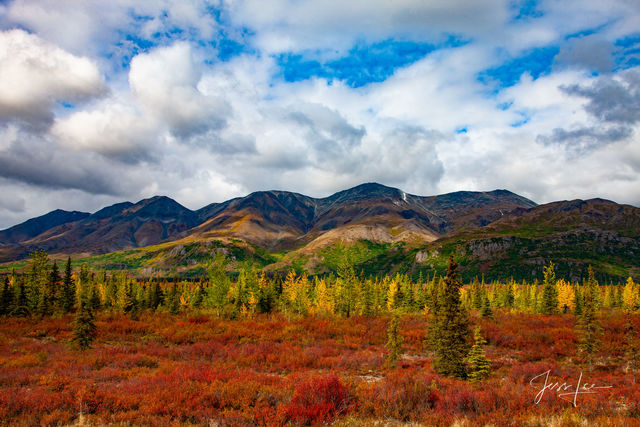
(205, 100)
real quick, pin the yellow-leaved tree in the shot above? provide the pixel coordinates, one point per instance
(630, 297)
(566, 296)
(392, 292)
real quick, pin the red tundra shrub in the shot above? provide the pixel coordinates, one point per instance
(317, 400)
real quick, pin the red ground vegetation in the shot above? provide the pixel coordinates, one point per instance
(271, 370)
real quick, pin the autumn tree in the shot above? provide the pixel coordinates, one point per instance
(589, 329)
(566, 296)
(392, 293)
(452, 328)
(323, 299)
(630, 296)
(478, 364)
(36, 281)
(549, 295)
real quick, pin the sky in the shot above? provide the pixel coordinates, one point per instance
(202, 101)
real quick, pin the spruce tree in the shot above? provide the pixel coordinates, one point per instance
(94, 299)
(348, 278)
(68, 299)
(128, 303)
(486, 307)
(579, 303)
(173, 301)
(6, 298)
(84, 329)
(549, 293)
(156, 296)
(21, 307)
(49, 296)
(618, 301)
(589, 329)
(198, 297)
(479, 365)
(368, 298)
(477, 294)
(394, 341)
(452, 328)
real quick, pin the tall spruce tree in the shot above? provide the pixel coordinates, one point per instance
(84, 329)
(68, 299)
(588, 325)
(578, 302)
(6, 297)
(394, 341)
(452, 328)
(50, 295)
(128, 301)
(21, 306)
(173, 300)
(549, 292)
(348, 279)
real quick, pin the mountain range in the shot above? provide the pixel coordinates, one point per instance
(497, 233)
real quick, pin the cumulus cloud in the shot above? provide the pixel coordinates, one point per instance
(35, 74)
(114, 129)
(163, 102)
(165, 81)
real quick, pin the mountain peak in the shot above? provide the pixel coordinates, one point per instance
(365, 191)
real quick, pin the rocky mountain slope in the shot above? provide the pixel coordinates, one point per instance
(497, 234)
(273, 220)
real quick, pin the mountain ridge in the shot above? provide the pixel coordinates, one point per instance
(272, 219)
(497, 234)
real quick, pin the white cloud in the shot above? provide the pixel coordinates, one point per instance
(165, 82)
(34, 74)
(114, 129)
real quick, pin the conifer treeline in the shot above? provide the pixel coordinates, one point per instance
(42, 290)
